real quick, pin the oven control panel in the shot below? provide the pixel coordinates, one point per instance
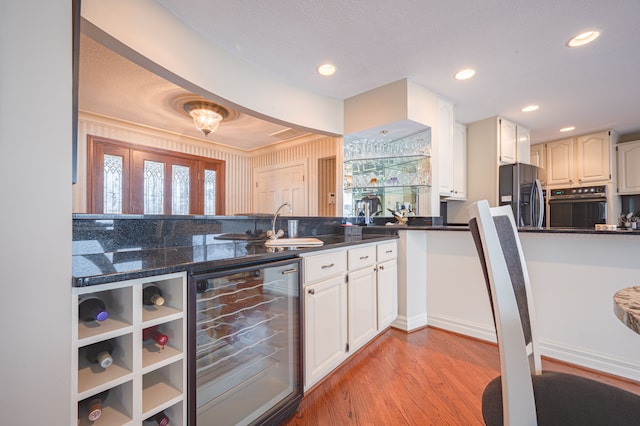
(580, 192)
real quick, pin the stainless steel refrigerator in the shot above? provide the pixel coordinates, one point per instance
(520, 188)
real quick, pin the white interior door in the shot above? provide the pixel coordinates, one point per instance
(281, 184)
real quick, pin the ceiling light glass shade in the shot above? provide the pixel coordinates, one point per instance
(567, 129)
(530, 108)
(206, 116)
(465, 74)
(582, 39)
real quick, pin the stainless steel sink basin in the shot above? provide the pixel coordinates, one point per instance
(294, 242)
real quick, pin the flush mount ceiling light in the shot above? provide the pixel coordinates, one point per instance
(567, 129)
(326, 69)
(582, 39)
(530, 108)
(465, 74)
(206, 115)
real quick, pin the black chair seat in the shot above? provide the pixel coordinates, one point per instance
(566, 400)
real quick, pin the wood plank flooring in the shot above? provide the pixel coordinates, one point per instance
(426, 377)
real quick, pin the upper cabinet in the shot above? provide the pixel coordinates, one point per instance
(453, 155)
(508, 141)
(628, 167)
(453, 173)
(538, 156)
(582, 160)
(524, 145)
(560, 162)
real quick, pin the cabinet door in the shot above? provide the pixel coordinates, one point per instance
(445, 145)
(524, 145)
(363, 318)
(594, 158)
(508, 141)
(560, 162)
(537, 157)
(325, 337)
(387, 277)
(459, 162)
(629, 167)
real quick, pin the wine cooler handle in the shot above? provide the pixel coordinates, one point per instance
(290, 271)
(312, 291)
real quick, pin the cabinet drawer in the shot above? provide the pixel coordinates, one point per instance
(361, 257)
(324, 266)
(387, 251)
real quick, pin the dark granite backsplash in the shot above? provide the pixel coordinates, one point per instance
(102, 234)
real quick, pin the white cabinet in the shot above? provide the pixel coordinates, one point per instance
(537, 155)
(361, 279)
(524, 145)
(628, 160)
(593, 160)
(560, 162)
(325, 314)
(508, 141)
(144, 378)
(350, 296)
(453, 165)
(325, 328)
(583, 160)
(387, 283)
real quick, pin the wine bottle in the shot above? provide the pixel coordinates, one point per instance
(152, 295)
(152, 333)
(100, 353)
(92, 308)
(92, 406)
(160, 419)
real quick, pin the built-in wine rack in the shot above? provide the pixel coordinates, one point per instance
(144, 378)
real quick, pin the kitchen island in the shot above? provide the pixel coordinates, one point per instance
(574, 274)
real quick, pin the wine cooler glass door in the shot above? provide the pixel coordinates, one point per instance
(246, 344)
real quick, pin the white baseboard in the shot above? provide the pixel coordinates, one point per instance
(574, 355)
(593, 360)
(409, 324)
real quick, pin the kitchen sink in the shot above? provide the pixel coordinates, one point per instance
(294, 242)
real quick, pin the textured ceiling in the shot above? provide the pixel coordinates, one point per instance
(516, 46)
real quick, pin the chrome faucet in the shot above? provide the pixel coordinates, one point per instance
(271, 233)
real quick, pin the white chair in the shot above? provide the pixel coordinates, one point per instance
(523, 394)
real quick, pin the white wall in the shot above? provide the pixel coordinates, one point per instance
(573, 279)
(35, 226)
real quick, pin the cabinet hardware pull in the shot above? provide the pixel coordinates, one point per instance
(389, 251)
(381, 267)
(290, 271)
(331, 265)
(312, 291)
(364, 257)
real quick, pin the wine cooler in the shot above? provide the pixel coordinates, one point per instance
(245, 344)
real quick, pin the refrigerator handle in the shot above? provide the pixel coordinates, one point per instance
(538, 191)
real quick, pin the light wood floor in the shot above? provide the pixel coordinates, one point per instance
(426, 377)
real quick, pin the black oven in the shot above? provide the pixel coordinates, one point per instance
(582, 207)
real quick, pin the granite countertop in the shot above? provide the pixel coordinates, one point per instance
(93, 267)
(627, 307)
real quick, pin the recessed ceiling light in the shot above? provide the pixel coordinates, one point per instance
(582, 39)
(530, 108)
(465, 74)
(326, 69)
(567, 129)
